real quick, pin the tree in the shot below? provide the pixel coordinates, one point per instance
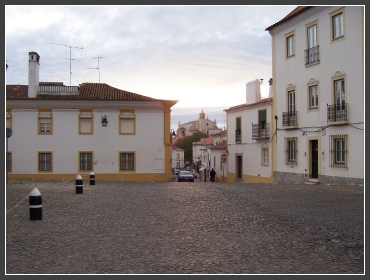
(187, 144)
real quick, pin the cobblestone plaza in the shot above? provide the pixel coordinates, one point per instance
(185, 228)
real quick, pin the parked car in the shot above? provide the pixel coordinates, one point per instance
(188, 168)
(185, 176)
(195, 175)
(177, 170)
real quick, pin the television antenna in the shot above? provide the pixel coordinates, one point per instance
(70, 59)
(99, 57)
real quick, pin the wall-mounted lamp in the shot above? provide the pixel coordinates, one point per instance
(261, 81)
(104, 121)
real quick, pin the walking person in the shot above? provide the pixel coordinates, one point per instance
(213, 174)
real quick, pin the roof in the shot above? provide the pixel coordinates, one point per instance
(292, 14)
(208, 140)
(242, 106)
(87, 91)
(222, 145)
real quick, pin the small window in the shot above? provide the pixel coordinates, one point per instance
(264, 155)
(86, 161)
(45, 123)
(8, 119)
(127, 122)
(337, 24)
(313, 97)
(290, 44)
(45, 161)
(86, 123)
(127, 161)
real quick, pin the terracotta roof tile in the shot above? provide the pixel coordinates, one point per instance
(222, 145)
(87, 91)
(268, 99)
(292, 14)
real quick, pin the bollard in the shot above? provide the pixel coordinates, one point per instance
(92, 178)
(35, 202)
(79, 184)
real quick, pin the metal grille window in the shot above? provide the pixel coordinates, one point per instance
(127, 161)
(338, 151)
(314, 97)
(291, 150)
(45, 162)
(337, 25)
(85, 161)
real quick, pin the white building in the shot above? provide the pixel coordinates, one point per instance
(318, 91)
(61, 131)
(249, 137)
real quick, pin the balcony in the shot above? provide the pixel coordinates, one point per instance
(238, 136)
(337, 113)
(58, 89)
(260, 131)
(311, 55)
(290, 119)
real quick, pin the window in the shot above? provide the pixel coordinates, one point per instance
(127, 122)
(290, 44)
(339, 99)
(86, 160)
(291, 150)
(8, 119)
(45, 161)
(127, 161)
(45, 122)
(338, 151)
(313, 97)
(264, 155)
(238, 130)
(291, 101)
(86, 122)
(9, 161)
(337, 24)
(178, 156)
(312, 52)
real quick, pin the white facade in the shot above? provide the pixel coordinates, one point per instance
(249, 142)
(315, 140)
(148, 143)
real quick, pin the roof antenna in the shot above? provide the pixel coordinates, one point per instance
(99, 57)
(70, 50)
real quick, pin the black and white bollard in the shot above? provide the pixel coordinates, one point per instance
(35, 202)
(79, 184)
(92, 178)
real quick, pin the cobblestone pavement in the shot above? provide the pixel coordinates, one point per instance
(185, 228)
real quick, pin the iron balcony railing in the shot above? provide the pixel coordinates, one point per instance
(260, 131)
(238, 136)
(337, 112)
(311, 55)
(290, 118)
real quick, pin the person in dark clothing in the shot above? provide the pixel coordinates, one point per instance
(212, 174)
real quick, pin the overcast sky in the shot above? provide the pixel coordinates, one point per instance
(202, 56)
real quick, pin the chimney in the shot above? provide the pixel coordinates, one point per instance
(33, 73)
(253, 94)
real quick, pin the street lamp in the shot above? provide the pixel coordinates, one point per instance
(104, 120)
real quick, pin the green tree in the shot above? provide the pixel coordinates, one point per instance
(187, 144)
